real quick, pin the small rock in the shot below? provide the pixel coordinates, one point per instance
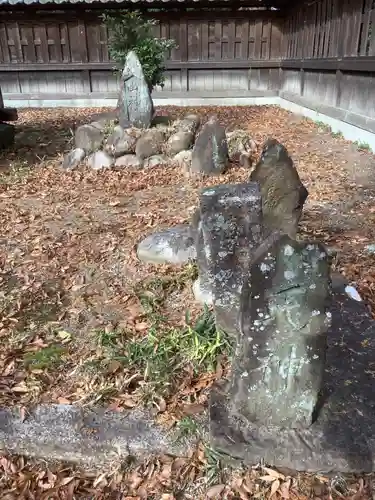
(89, 137)
(161, 121)
(172, 246)
(121, 142)
(183, 160)
(151, 143)
(240, 145)
(73, 158)
(189, 123)
(128, 161)
(99, 160)
(370, 249)
(179, 141)
(352, 293)
(210, 152)
(155, 160)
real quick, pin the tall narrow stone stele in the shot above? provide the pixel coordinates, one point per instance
(135, 106)
(230, 222)
(280, 359)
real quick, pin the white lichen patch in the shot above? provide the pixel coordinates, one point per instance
(288, 250)
(209, 192)
(289, 275)
(264, 267)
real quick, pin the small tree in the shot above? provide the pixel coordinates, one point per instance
(128, 30)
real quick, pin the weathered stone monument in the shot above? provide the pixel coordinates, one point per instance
(283, 194)
(210, 151)
(230, 217)
(301, 388)
(278, 372)
(135, 104)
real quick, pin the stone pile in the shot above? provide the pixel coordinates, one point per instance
(133, 137)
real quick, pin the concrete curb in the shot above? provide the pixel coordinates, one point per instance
(92, 438)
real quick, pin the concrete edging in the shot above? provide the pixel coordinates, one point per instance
(92, 437)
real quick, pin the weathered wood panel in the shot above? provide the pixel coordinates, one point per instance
(214, 52)
(330, 48)
(213, 37)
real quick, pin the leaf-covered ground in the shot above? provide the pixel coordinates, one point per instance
(82, 321)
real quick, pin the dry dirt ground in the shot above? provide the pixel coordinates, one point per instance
(76, 305)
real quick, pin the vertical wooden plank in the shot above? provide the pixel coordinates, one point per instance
(338, 88)
(42, 43)
(365, 27)
(27, 43)
(251, 50)
(345, 28)
(245, 40)
(302, 80)
(4, 43)
(54, 46)
(205, 41)
(14, 43)
(307, 51)
(231, 39)
(276, 41)
(258, 39)
(174, 31)
(321, 8)
(65, 43)
(337, 17)
(327, 28)
(183, 40)
(316, 30)
(218, 40)
(82, 41)
(356, 7)
(93, 42)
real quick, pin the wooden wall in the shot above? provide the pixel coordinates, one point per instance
(66, 54)
(329, 49)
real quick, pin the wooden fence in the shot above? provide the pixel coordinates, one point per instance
(66, 54)
(322, 54)
(329, 49)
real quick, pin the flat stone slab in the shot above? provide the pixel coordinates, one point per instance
(342, 437)
(93, 438)
(172, 246)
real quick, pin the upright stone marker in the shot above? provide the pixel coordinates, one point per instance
(283, 194)
(135, 103)
(280, 361)
(231, 225)
(210, 151)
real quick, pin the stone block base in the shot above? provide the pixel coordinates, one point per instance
(342, 437)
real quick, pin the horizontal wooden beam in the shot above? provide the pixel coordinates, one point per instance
(170, 65)
(166, 94)
(360, 64)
